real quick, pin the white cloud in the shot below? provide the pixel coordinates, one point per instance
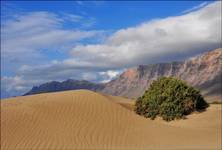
(13, 86)
(25, 37)
(110, 74)
(21, 83)
(195, 7)
(157, 40)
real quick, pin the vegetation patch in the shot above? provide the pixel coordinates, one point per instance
(169, 98)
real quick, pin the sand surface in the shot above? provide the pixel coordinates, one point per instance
(87, 120)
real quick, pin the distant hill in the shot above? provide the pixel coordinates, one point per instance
(203, 71)
(64, 86)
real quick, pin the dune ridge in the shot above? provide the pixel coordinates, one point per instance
(86, 120)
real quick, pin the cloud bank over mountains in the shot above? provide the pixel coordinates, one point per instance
(24, 39)
(157, 40)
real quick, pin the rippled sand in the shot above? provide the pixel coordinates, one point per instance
(87, 120)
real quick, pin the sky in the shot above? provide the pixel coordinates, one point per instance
(42, 41)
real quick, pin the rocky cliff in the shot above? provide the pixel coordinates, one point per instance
(203, 71)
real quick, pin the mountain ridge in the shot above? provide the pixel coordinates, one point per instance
(202, 71)
(69, 84)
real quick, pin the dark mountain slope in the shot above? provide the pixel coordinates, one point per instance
(64, 86)
(203, 71)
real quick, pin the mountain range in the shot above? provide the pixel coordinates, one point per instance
(69, 84)
(203, 72)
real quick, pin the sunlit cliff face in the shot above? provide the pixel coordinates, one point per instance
(202, 71)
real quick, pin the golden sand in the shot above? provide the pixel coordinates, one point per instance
(87, 120)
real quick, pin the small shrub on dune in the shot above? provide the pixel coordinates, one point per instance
(169, 98)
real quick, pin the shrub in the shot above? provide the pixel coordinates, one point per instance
(169, 98)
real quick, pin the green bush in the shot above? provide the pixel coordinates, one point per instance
(169, 98)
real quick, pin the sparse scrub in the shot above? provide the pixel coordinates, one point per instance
(169, 98)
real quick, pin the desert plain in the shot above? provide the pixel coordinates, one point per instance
(85, 120)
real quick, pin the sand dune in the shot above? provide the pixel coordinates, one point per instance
(87, 120)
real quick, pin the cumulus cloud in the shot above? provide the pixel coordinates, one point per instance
(13, 86)
(21, 83)
(26, 37)
(110, 74)
(158, 40)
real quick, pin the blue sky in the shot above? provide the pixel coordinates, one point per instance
(97, 40)
(112, 15)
